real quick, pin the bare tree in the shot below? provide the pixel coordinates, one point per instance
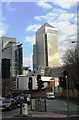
(71, 60)
(6, 86)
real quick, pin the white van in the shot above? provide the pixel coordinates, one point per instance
(50, 95)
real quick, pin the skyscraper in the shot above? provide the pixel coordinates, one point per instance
(19, 60)
(46, 50)
(13, 51)
(0, 69)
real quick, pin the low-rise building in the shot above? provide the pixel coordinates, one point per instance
(22, 82)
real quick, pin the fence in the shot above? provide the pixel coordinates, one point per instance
(39, 104)
(57, 105)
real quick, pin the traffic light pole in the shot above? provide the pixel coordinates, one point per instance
(30, 89)
(67, 97)
(39, 98)
(31, 99)
(40, 84)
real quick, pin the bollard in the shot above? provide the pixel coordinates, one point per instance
(25, 109)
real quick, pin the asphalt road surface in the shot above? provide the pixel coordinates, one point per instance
(39, 118)
(10, 114)
(60, 106)
(54, 105)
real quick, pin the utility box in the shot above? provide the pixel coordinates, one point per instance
(25, 109)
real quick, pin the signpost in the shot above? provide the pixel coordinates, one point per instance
(65, 74)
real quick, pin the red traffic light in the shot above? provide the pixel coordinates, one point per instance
(62, 80)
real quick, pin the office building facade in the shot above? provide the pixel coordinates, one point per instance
(0, 69)
(9, 50)
(19, 60)
(46, 48)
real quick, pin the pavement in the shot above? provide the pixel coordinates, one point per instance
(46, 114)
(38, 114)
(35, 115)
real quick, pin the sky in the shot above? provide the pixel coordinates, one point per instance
(21, 20)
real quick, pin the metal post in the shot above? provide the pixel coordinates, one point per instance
(45, 105)
(40, 100)
(21, 108)
(67, 97)
(54, 86)
(31, 99)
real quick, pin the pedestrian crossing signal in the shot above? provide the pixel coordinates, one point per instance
(62, 82)
(30, 84)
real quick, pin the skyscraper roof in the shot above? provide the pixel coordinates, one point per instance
(46, 25)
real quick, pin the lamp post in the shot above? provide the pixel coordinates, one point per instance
(66, 77)
(77, 43)
(77, 62)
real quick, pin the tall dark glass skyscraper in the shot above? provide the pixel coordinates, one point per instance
(18, 60)
(13, 51)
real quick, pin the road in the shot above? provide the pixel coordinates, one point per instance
(10, 114)
(56, 106)
(60, 106)
(38, 118)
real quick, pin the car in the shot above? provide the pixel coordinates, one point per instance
(19, 100)
(50, 95)
(7, 104)
(23, 98)
(28, 98)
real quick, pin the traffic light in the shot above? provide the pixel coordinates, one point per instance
(62, 82)
(30, 84)
(65, 76)
(40, 83)
(5, 68)
(65, 73)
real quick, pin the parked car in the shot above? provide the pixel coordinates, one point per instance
(19, 100)
(7, 104)
(28, 98)
(23, 98)
(50, 95)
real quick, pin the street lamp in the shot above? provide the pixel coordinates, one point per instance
(77, 43)
(73, 41)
